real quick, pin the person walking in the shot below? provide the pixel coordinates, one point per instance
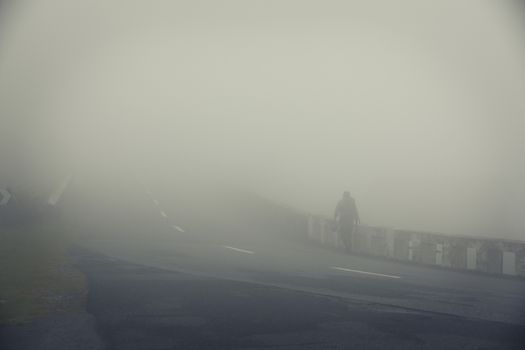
(347, 218)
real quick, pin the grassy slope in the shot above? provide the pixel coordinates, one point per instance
(36, 277)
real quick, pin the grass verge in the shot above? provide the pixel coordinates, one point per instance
(36, 275)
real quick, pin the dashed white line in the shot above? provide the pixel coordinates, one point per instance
(238, 249)
(164, 214)
(363, 272)
(178, 228)
(156, 202)
(55, 197)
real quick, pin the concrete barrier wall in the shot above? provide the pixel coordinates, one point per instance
(506, 257)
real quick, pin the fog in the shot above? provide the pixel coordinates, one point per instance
(415, 107)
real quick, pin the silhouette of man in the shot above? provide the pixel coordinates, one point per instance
(347, 218)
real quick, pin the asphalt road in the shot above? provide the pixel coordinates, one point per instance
(138, 307)
(164, 280)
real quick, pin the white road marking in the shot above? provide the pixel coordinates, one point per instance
(55, 196)
(164, 214)
(156, 202)
(364, 272)
(6, 196)
(238, 249)
(178, 228)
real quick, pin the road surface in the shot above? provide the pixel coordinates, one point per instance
(160, 279)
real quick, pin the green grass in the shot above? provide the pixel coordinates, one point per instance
(36, 276)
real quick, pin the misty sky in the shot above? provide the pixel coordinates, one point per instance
(416, 107)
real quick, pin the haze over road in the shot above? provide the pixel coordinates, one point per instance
(416, 108)
(166, 136)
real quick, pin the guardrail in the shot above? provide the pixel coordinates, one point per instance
(497, 256)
